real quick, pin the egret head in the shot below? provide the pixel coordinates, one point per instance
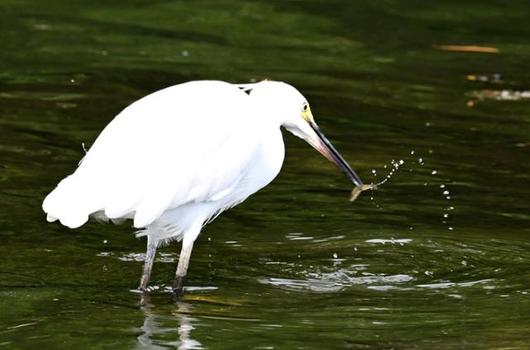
(285, 102)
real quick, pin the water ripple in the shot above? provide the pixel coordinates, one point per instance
(335, 281)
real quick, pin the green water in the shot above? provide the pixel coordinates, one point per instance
(296, 266)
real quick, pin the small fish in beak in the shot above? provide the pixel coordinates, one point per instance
(358, 190)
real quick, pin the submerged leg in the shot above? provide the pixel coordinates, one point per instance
(148, 264)
(182, 268)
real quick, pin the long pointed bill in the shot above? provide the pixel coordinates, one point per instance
(324, 146)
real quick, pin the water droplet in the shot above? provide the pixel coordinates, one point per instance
(442, 186)
(374, 172)
(335, 256)
(401, 162)
(446, 215)
(445, 193)
(450, 228)
(412, 152)
(434, 172)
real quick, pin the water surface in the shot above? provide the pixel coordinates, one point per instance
(438, 257)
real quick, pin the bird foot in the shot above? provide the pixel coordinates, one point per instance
(178, 288)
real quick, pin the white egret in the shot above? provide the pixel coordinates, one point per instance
(175, 159)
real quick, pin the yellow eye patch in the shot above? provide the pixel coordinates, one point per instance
(306, 113)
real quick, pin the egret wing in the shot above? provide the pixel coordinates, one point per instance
(185, 143)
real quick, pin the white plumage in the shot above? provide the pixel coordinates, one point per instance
(175, 159)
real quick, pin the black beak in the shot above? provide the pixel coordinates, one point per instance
(327, 150)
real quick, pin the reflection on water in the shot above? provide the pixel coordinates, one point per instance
(176, 330)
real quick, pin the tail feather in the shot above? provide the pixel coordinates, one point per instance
(71, 202)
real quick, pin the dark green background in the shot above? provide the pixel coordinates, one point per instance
(296, 266)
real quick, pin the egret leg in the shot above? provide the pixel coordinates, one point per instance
(152, 244)
(182, 268)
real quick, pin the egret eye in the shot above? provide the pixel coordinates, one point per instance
(305, 107)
